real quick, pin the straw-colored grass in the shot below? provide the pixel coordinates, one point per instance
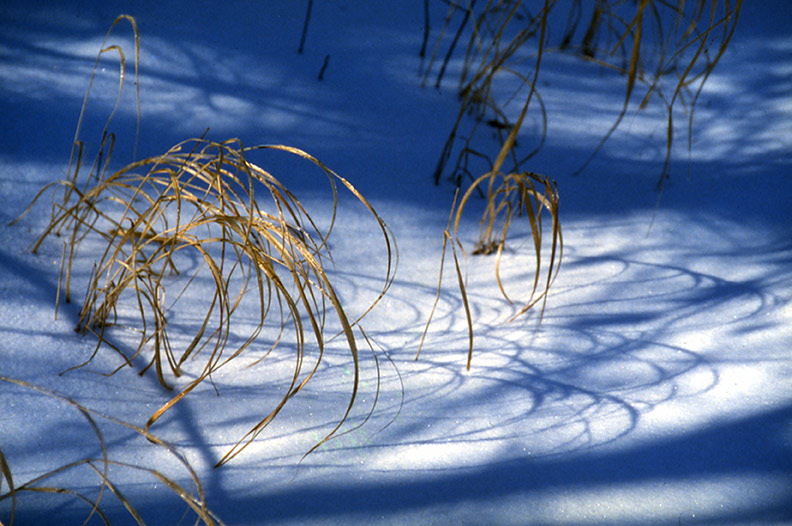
(669, 48)
(510, 194)
(666, 49)
(55, 481)
(508, 197)
(203, 199)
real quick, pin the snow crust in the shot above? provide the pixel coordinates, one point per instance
(656, 389)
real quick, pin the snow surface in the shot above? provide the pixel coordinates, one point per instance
(656, 391)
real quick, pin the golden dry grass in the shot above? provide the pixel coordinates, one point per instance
(203, 199)
(508, 194)
(254, 241)
(509, 197)
(647, 42)
(668, 48)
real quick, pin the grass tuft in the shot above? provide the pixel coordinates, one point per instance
(666, 50)
(508, 197)
(204, 205)
(508, 194)
(201, 201)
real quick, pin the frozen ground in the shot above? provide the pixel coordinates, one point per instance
(656, 391)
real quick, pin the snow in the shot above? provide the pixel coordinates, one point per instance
(655, 391)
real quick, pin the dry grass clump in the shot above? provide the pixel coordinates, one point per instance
(55, 482)
(668, 48)
(202, 200)
(490, 48)
(510, 194)
(508, 198)
(201, 203)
